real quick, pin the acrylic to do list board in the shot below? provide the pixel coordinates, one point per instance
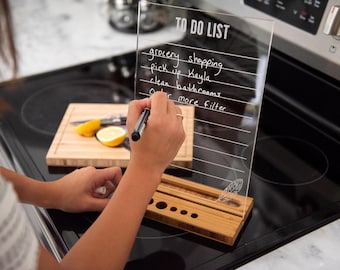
(216, 63)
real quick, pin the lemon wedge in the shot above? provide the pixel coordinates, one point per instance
(89, 128)
(111, 136)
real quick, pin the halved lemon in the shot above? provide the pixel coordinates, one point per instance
(89, 128)
(111, 136)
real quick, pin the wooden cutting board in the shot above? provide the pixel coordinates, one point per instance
(72, 150)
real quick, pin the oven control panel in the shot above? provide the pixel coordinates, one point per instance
(307, 30)
(304, 14)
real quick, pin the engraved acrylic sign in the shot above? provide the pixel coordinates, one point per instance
(218, 66)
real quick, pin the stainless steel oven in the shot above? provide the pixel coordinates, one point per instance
(306, 30)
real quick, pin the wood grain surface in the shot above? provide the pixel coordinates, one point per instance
(195, 208)
(68, 149)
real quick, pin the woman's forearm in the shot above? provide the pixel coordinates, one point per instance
(115, 229)
(29, 190)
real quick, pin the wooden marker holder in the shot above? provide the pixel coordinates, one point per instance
(195, 208)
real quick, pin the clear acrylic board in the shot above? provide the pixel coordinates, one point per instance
(215, 63)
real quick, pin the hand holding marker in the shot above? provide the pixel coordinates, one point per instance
(140, 125)
(136, 134)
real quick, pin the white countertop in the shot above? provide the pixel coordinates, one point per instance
(52, 35)
(316, 250)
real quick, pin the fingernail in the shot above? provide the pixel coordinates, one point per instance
(100, 190)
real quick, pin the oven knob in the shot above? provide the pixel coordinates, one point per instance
(332, 26)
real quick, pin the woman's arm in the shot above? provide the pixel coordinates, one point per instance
(107, 243)
(74, 192)
(29, 190)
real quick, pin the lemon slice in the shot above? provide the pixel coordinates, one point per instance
(89, 128)
(111, 136)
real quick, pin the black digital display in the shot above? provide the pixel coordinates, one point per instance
(304, 14)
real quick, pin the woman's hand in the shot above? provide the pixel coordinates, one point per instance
(76, 191)
(162, 136)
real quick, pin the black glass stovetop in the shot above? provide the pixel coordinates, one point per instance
(295, 178)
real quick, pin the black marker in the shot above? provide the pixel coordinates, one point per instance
(140, 125)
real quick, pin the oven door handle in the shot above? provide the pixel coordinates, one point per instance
(304, 110)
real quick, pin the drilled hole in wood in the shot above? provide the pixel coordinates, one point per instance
(194, 215)
(184, 212)
(151, 201)
(173, 209)
(161, 205)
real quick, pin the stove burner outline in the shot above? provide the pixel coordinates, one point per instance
(43, 111)
(298, 182)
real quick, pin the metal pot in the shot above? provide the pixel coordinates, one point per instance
(123, 15)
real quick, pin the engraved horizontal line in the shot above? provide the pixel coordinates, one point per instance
(193, 63)
(224, 112)
(201, 173)
(233, 85)
(205, 108)
(224, 126)
(221, 97)
(210, 51)
(219, 165)
(223, 68)
(210, 122)
(209, 80)
(221, 139)
(214, 51)
(219, 152)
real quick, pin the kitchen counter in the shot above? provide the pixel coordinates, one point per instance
(52, 35)
(316, 250)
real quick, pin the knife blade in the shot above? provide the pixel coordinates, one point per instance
(114, 121)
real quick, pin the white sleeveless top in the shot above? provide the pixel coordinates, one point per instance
(19, 248)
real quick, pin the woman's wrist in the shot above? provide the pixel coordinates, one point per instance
(43, 194)
(145, 173)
